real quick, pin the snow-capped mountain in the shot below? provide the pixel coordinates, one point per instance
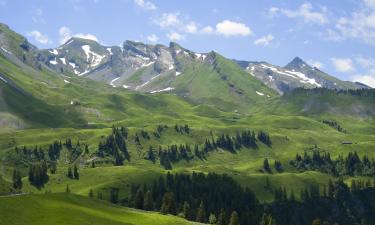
(159, 68)
(134, 65)
(295, 74)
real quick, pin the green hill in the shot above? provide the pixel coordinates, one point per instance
(74, 210)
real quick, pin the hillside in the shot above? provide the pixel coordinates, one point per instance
(71, 209)
(296, 73)
(151, 123)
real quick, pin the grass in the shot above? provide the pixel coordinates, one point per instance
(71, 209)
(45, 114)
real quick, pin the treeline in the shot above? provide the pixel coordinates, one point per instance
(38, 175)
(334, 124)
(198, 197)
(365, 92)
(175, 153)
(351, 165)
(218, 199)
(336, 204)
(114, 146)
(40, 160)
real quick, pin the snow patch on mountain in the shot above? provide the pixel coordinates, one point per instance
(5, 81)
(6, 50)
(53, 51)
(112, 82)
(66, 81)
(171, 67)
(147, 64)
(81, 74)
(142, 57)
(177, 73)
(126, 86)
(304, 78)
(259, 93)
(53, 62)
(110, 51)
(92, 57)
(63, 61)
(165, 89)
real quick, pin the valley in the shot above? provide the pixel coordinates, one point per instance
(124, 116)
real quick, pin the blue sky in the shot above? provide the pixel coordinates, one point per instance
(337, 36)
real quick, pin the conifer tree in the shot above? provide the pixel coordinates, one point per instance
(186, 210)
(201, 213)
(91, 193)
(17, 180)
(234, 218)
(75, 172)
(148, 201)
(221, 218)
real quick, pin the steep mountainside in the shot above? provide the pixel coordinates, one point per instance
(295, 74)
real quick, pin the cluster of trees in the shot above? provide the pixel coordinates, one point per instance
(199, 197)
(267, 168)
(334, 124)
(38, 175)
(182, 128)
(175, 153)
(73, 174)
(351, 165)
(335, 204)
(75, 150)
(17, 180)
(114, 146)
(368, 92)
(159, 130)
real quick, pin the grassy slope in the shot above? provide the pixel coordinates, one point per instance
(74, 210)
(103, 106)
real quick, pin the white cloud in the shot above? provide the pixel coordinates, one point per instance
(305, 11)
(368, 79)
(152, 38)
(39, 37)
(344, 65)
(264, 41)
(168, 20)
(65, 34)
(230, 28)
(316, 64)
(273, 11)
(365, 62)
(207, 30)
(191, 28)
(37, 15)
(147, 5)
(174, 36)
(360, 25)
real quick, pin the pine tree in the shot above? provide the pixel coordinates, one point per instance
(266, 166)
(70, 173)
(186, 210)
(201, 213)
(17, 180)
(168, 205)
(212, 219)
(113, 195)
(148, 201)
(91, 193)
(221, 218)
(267, 220)
(138, 200)
(234, 218)
(75, 172)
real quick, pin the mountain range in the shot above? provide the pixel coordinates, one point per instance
(158, 68)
